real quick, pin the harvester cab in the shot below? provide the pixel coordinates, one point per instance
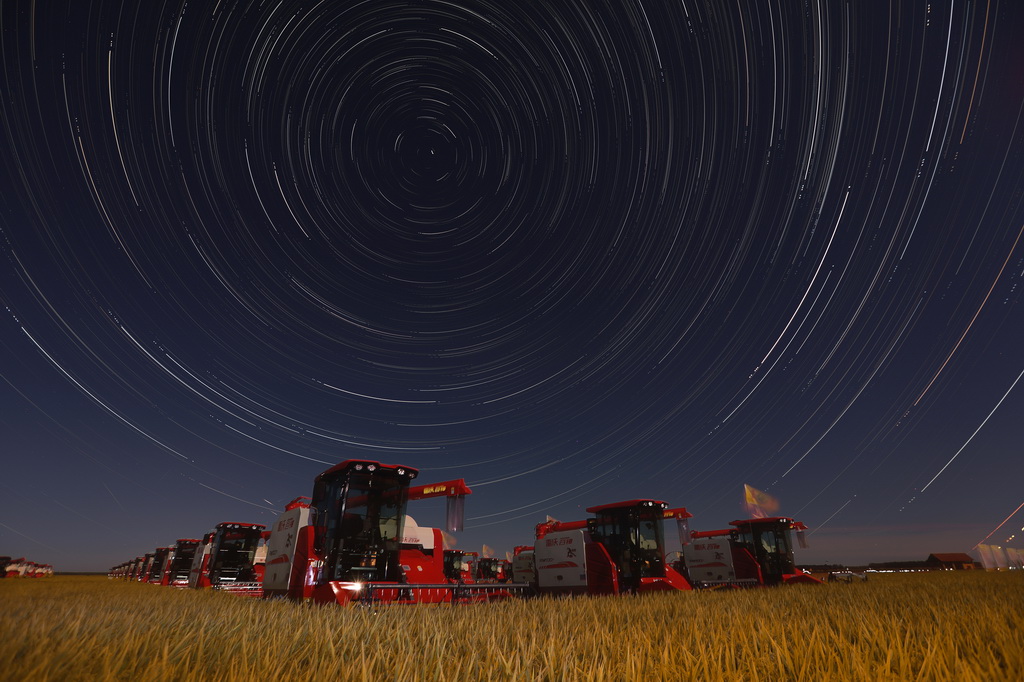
(233, 557)
(226, 559)
(768, 541)
(143, 573)
(621, 549)
(633, 534)
(156, 567)
(459, 565)
(179, 561)
(359, 512)
(493, 570)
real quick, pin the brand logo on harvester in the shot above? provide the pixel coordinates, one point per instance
(433, 489)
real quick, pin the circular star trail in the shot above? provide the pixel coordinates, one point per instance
(574, 252)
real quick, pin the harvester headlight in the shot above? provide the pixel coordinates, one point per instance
(358, 467)
(371, 467)
(401, 471)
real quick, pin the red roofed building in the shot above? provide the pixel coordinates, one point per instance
(953, 561)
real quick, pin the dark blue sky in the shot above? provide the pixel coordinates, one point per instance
(571, 252)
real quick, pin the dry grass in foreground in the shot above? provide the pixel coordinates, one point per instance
(939, 626)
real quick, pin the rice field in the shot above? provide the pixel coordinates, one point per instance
(938, 626)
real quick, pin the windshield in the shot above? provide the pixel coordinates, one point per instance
(182, 561)
(156, 569)
(770, 544)
(492, 569)
(361, 514)
(232, 555)
(634, 540)
(457, 564)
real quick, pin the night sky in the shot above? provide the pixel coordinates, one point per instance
(573, 252)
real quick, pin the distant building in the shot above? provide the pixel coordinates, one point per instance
(949, 561)
(901, 566)
(953, 561)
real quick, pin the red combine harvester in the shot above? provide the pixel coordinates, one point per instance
(753, 553)
(620, 550)
(142, 574)
(11, 568)
(353, 542)
(460, 566)
(28, 569)
(135, 568)
(228, 559)
(179, 562)
(493, 570)
(156, 567)
(16, 568)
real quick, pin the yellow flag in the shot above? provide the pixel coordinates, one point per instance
(759, 504)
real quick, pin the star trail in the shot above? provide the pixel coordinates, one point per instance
(574, 252)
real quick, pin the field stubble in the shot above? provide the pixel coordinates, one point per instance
(940, 626)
